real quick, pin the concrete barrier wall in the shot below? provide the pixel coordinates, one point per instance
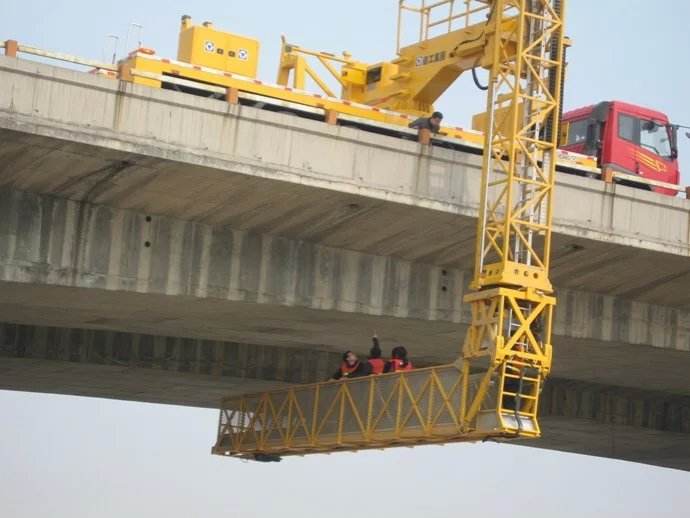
(210, 133)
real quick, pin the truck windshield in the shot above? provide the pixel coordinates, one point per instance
(648, 134)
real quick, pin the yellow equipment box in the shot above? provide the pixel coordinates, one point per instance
(205, 46)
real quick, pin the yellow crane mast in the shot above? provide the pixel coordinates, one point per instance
(492, 390)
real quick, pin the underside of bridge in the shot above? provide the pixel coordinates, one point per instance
(577, 417)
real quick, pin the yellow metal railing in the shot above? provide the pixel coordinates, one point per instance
(12, 49)
(436, 404)
(440, 16)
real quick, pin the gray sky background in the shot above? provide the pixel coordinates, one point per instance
(77, 457)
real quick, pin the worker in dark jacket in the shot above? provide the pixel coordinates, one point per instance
(352, 367)
(432, 123)
(377, 363)
(399, 361)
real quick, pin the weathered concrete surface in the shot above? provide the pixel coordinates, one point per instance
(607, 421)
(166, 153)
(155, 369)
(159, 294)
(174, 215)
(589, 437)
(69, 263)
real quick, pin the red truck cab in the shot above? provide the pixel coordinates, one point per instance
(625, 138)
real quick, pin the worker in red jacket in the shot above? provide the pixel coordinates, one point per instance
(399, 361)
(377, 363)
(352, 367)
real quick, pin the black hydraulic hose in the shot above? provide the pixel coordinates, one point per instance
(474, 68)
(476, 79)
(552, 78)
(562, 92)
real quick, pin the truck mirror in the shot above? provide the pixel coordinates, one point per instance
(673, 136)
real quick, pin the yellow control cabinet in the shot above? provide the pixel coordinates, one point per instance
(205, 46)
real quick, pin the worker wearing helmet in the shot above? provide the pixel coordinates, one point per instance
(377, 363)
(432, 123)
(399, 361)
(352, 367)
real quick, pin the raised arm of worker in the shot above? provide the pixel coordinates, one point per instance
(375, 351)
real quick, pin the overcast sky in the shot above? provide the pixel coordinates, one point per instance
(78, 457)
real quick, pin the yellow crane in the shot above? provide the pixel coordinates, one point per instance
(421, 72)
(453, 38)
(492, 390)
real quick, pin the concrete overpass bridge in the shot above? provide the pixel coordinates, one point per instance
(156, 246)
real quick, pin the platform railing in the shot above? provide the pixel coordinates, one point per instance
(435, 404)
(12, 49)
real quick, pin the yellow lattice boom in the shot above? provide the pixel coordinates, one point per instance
(492, 391)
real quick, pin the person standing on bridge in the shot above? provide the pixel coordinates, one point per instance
(352, 367)
(377, 363)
